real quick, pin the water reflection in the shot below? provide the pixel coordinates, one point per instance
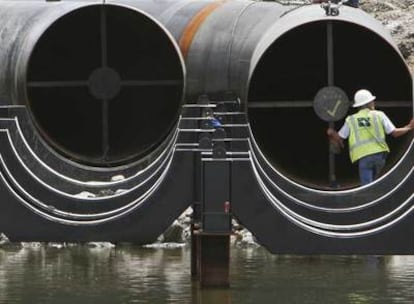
(93, 275)
(130, 274)
(211, 296)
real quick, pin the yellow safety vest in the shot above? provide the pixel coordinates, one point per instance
(367, 135)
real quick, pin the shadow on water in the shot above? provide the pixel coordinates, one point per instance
(38, 273)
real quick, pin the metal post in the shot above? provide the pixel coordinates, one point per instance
(211, 242)
(331, 81)
(214, 260)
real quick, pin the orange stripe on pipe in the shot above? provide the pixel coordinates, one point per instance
(192, 27)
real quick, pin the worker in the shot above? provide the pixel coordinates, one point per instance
(366, 132)
(214, 122)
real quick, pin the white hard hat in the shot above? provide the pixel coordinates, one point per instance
(362, 97)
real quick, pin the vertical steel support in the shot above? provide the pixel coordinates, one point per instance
(216, 196)
(331, 82)
(204, 142)
(214, 260)
(213, 240)
(212, 219)
(194, 254)
(195, 225)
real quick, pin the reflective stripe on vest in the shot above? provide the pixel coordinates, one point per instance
(365, 138)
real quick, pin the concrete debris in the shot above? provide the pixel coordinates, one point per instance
(56, 245)
(4, 239)
(397, 16)
(105, 192)
(244, 238)
(165, 245)
(119, 191)
(117, 178)
(101, 193)
(180, 233)
(174, 234)
(85, 194)
(31, 244)
(100, 245)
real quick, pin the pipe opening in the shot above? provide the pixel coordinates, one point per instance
(287, 78)
(104, 85)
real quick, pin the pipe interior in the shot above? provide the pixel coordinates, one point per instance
(294, 68)
(104, 85)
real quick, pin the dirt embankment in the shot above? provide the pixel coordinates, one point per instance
(398, 17)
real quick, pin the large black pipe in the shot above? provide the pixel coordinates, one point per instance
(276, 58)
(295, 62)
(103, 83)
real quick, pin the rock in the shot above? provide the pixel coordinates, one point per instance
(100, 245)
(165, 245)
(85, 194)
(119, 191)
(117, 178)
(174, 233)
(179, 231)
(406, 48)
(33, 245)
(244, 238)
(4, 239)
(56, 245)
(105, 192)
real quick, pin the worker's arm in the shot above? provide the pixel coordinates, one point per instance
(403, 130)
(335, 138)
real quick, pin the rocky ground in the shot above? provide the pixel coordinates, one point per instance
(398, 17)
(180, 233)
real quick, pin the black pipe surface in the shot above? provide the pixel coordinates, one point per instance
(276, 58)
(290, 73)
(103, 83)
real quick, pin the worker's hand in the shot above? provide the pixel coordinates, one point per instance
(334, 138)
(330, 132)
(411, 124)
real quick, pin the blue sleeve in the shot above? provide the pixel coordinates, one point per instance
(215, 123)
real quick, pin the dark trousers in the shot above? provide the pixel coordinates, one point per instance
(370, 167)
